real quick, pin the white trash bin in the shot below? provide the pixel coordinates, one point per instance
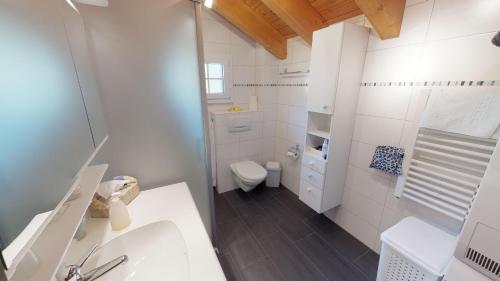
(273, 174)
(414, 250)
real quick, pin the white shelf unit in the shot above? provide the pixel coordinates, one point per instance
(337, 59)
(319, 133)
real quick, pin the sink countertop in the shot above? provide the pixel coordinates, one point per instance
(173, 202)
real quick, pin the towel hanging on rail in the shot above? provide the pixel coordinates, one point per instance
(388, 159)
(466, 113)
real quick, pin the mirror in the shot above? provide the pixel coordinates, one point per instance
(44, 124)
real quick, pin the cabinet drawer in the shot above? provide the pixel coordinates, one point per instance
(314, 163)
(312, 177)
(310, 195)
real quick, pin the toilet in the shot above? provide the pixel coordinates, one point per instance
(248, 174)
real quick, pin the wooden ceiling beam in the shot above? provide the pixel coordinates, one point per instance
(299, 15)
(385, 16)
(252, 24)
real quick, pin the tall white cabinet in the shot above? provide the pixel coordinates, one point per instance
(337, 59)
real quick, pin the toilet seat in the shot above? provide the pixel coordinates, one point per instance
(249, 171)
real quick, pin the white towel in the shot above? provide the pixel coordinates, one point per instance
(468, 113)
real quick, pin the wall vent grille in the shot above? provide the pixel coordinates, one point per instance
(481, 260)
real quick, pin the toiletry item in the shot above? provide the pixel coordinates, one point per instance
(234, 109)
(118, 213)
(324, 149)
(99, 208)
(253, 103)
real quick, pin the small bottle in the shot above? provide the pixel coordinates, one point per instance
(118, 213)
(324, 149)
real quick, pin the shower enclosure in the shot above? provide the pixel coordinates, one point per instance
(147, 61)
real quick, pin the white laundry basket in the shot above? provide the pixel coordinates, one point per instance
(413, 250)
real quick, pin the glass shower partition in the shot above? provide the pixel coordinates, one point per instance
(147, 60)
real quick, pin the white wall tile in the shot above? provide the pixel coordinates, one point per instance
(222, 134)
(249, 148)
(297, 96)
(224, 179)
(359, 228)
(244, 75)
(263, 57)
(301, 51)
(267, 95)
(269, 129)
(297, 116)
(365, 208)
(214, 31)
(464, 58)
(368, 184)
(377, 131)
(270, 112)
(266, 74)
(396, 64)
(282, 113)
(243, 55)
(282, 129)
(281, 147)
(283, 96)
(268, 149)
(408, 135)
(254, 133)
(361, 154)
(216, 48)
(453, 18)
(296, 134)
(389, 102)
(227, 151)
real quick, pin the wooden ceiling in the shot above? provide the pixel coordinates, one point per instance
(271, 22)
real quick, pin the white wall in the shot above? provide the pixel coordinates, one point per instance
(281, 99)
(291, 110)
(221, 38)
(440, 40)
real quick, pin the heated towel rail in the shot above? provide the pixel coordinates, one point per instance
(445, 170)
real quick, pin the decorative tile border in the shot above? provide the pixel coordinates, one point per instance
(462, 83)
(272, 85)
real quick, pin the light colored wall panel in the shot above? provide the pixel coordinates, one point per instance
(464, 58)
(377, 131)
(456, 18)
(395, 64)
(389, 102)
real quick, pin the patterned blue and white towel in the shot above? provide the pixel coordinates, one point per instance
(388, 159)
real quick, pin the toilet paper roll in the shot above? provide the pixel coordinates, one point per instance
(253, 103)
(293, 155)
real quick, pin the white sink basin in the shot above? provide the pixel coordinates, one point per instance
(155, 251)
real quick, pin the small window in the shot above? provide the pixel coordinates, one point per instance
(218, 79)
(214, 77)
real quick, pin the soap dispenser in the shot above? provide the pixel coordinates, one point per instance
(118, 213)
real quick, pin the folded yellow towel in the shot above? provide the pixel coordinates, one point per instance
(234, 109)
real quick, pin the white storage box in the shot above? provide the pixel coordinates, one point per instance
(273, 174)
(413, 250)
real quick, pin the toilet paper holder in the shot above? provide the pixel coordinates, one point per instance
(294, 152)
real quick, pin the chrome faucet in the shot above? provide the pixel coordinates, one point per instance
(75, 271)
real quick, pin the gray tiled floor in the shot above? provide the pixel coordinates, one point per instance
(269, 234)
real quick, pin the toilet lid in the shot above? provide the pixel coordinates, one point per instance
(249, 170)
